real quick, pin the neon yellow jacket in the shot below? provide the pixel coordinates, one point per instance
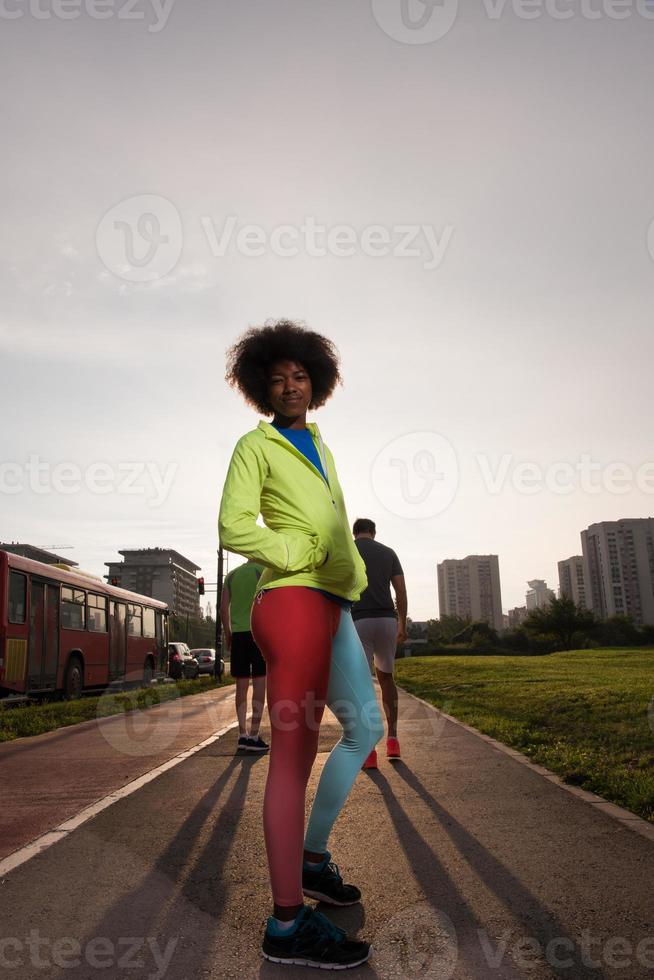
(307, 539)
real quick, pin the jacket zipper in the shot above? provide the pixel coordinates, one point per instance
(321, 452)
(323, 459)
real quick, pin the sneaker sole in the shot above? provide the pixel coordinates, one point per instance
(295, 961)
(258, 751)
(321, 897)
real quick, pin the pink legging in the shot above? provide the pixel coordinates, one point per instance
(295, 628)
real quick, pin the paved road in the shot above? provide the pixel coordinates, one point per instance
(470, 863)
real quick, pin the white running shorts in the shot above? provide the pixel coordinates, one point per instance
(378, 635)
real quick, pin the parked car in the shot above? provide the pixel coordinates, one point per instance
(206, 658)
(181, 663)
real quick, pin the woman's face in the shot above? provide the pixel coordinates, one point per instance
(289, 389)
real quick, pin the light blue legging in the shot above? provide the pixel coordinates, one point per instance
(314, 658)
(351, 697)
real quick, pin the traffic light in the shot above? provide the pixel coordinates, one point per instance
(201, 586)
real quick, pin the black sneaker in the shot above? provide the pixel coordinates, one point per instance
(242, 744)
(326, 884)
(256, 745)
(313, 941)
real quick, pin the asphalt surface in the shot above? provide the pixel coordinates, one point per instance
(45, 780)
(472, 866)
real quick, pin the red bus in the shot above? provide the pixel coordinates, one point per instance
(64, 632)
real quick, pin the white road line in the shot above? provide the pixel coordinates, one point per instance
(612, 810)
(42, 843)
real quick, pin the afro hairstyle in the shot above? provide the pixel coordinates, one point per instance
(249, 361)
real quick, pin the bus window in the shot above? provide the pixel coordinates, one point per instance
(148, 622)
(17, 597)
(134, 620)
(97, 613)
(158, 624)
(73, 608)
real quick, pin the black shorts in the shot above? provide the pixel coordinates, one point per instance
(246, 659)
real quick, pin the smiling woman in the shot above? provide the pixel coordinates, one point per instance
(301, 622)
(250, 363)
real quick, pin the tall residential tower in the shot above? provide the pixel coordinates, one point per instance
(470, 588)
(572, 580)
(619, 568)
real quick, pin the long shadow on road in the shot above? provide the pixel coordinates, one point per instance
(182, 898)
(437, 886)
(539, 922)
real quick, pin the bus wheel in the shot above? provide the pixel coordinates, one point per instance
(74, 679)
(148, 673)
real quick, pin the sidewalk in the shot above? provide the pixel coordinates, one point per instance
(469, 862)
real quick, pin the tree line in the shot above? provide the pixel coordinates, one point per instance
(560, 625)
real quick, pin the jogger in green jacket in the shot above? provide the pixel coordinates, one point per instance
(302, 624)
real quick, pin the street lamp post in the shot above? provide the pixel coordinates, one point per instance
(219, 592)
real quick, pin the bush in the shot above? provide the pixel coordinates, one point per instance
(618, 631)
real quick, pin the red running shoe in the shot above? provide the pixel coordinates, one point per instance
(393, 748)
(371, 761)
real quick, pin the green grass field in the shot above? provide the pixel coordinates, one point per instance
(587, 715)
(35, 719)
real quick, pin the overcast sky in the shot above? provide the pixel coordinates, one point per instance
(509, 157)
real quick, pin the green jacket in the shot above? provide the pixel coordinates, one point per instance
(307, 539)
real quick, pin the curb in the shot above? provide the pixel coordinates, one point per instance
(611, 810)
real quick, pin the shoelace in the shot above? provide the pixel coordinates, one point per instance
(332, 867)
(321, 925)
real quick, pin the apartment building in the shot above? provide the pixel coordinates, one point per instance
(161, 573)
(470, 588)
(538, 595)
(619, 568)
(572, 580)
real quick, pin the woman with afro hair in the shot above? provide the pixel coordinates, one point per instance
(301, 622)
